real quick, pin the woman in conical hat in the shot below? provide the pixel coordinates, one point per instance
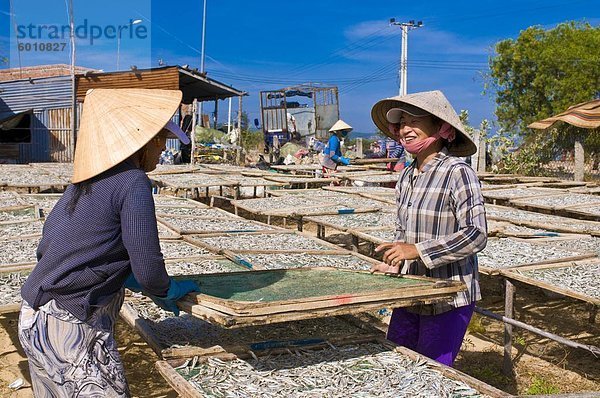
(100, 236)
(332, 153)
(440, 224)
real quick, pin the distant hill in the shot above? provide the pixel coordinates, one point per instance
(368, 136)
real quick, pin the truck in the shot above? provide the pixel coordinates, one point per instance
(297, 114)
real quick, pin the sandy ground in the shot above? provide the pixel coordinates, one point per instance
(541, 365)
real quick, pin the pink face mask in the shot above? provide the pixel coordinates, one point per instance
(446, 131)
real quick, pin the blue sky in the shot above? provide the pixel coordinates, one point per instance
(262, 45)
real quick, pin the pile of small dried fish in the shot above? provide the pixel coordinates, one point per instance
(506, 252)
(522, 216)
(191, 180)
(586, 244)
(19, 214)
(17, 251)
(166, 233)
(275, 241)
(188, 330)
(281, 203)
(167, 200)
(513, 193)
(385, 235)
(16, 229)
(579, 278)
(210, 225)
(360, 370)
(559, 201)
(32, 178)
(377, 178)
(180, 249)
(10, 287)
(10, 199)
(298, 260)
(202, 266)
(357, 221)
(193, 211)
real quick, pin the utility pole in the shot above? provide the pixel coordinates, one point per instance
(200, 110)
(405, 26)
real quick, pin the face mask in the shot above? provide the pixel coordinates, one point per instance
(446, 131)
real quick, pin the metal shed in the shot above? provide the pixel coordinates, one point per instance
(50, 100)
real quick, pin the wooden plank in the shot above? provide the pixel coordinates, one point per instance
(175, 380)
(10, 308)
(229, 321)
(132, 318)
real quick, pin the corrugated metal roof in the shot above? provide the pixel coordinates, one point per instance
(37, 94)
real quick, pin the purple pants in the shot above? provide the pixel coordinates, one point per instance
(438, 337)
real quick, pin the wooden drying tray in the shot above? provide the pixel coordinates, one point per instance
(374, 161)
(29, 210)
(583, 212)
(496, 195)
(290, 180)
(253, 226)
(167, 367)
(261, 297)
(14, 307)
(579, 226)
(514, 274)
(328, 248)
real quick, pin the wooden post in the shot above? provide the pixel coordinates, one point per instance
(475, 156)
(216, 114)
(509, 294)
(359, 147)
(238, 153)
(481, 154)
(578, 172)
(193, 132)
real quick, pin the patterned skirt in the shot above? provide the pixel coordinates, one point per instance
(71, 358)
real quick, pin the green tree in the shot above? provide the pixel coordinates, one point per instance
(543, 72)
(540, 74)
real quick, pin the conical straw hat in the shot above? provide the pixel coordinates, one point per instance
(433, 102)
(340, 125)
(116, 123)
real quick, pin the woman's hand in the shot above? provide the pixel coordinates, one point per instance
(396, 252)
(382, 267)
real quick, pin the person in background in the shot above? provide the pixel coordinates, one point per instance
(440, 224)
(332, 153)
(390, 148)
(100, 236)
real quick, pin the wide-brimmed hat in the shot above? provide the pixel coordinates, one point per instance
(116, 123)
(421, 104)
(340, 125)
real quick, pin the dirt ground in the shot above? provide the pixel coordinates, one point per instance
(541, 366)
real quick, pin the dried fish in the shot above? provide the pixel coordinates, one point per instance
(18, 214)
(208, 225)
(187, 330)
(559, 201)
(581, 278)
(263, 241)
(20, 250)
(22, 228)
(201, 266)
(10, 287)
(507, 252)
(180, 249)
(359, 370)
(298, 260)
(357, 220)
(10, 199)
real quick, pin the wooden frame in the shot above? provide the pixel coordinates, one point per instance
(164, 220)
(186, 390)
(330, 248)
(231, 313)
(515, 275)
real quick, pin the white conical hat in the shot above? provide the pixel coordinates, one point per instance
(433, 102)
(340, 125)
(116, 123)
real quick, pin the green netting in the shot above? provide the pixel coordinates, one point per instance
(279, 285)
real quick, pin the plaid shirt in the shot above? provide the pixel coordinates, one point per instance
(440, 210)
